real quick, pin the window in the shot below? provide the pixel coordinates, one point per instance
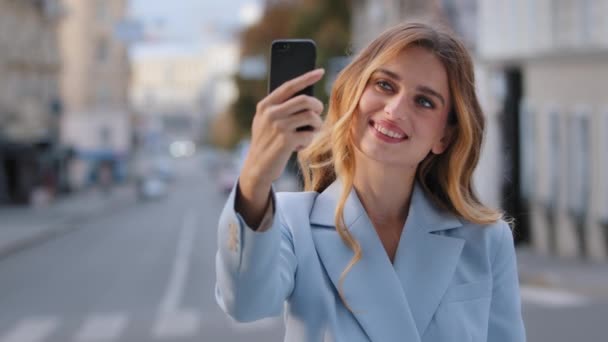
(603, 205)
(579, 162)
(105, 136)
(102, 10)
(565, 15)
(552, 174)
(554, 160)
(102, 95)
(102, 50)
(597, 24)
(528, 145)
(169, 74)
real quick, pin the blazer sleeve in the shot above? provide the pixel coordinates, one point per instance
(505, 321)
(254, 269)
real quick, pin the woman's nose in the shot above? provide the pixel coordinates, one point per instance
(397, 107)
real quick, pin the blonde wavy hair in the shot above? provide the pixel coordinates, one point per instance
(446, 178)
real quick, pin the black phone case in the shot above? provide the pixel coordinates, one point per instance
(290, 58)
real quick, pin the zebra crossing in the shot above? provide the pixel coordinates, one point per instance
(106, 327)
(551, 298)
(32, 329)
(120, 327)
(184, 324)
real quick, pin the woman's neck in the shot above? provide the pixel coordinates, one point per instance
(385, 192)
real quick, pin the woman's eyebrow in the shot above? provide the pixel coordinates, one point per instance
(421, 88)
(389, 74)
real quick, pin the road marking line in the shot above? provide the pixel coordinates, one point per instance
(551, 297)
(263, 324)
(177, 325)
(102, 327)
(33, 329)
(179, 275)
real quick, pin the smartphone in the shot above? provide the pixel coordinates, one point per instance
(290, 58)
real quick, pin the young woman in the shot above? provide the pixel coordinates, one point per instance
(389, 241)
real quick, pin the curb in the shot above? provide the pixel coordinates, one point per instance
(553, 281)
(60, 229)
(34, 240)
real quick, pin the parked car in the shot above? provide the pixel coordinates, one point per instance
(150, 187)
(154, 171)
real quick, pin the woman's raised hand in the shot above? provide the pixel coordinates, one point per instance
(274, 137)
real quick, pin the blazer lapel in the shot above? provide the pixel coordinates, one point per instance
(426, 259)
(371, 288)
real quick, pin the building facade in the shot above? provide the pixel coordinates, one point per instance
(94, 83)
(541, 71)
(370, 18)
(556, 53)
(180, 89)
(30, 103)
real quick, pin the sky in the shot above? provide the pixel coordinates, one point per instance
(188, 21)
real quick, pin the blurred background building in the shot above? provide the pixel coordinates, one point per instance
(30, 103)
(95, 81)
(551, 58)
(541, 72)
(76, 96)
(370, 18)
(179, 89)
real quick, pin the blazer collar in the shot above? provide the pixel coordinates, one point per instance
(388, 299)
(422, 210)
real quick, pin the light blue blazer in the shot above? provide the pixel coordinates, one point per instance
(451, 280)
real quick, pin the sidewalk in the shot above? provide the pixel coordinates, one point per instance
(577, 276)
(21, 227)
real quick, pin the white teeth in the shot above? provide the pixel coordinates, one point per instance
(388, 133)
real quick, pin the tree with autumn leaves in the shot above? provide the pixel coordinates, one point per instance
(327, 22)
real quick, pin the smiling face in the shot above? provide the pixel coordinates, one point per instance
(402, 114)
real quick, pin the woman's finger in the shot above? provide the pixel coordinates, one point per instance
(303, 119)
(295, 105)
(291, 87)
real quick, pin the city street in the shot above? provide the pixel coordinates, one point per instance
(145, 272)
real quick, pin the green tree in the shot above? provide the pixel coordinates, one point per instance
(325, 21)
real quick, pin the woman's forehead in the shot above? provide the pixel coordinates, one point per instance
(419, 65)
(416, 58)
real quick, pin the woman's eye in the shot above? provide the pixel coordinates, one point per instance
(384, 85)
(425, 102)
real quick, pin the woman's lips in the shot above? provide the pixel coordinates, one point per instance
(388, 129)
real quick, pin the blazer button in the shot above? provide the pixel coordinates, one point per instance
(233, 238)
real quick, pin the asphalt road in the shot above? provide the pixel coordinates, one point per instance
(146, 273)
(142, 273)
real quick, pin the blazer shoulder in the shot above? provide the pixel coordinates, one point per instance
(495, 236)
(295, 205)
(494, 231)
(499, 233)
